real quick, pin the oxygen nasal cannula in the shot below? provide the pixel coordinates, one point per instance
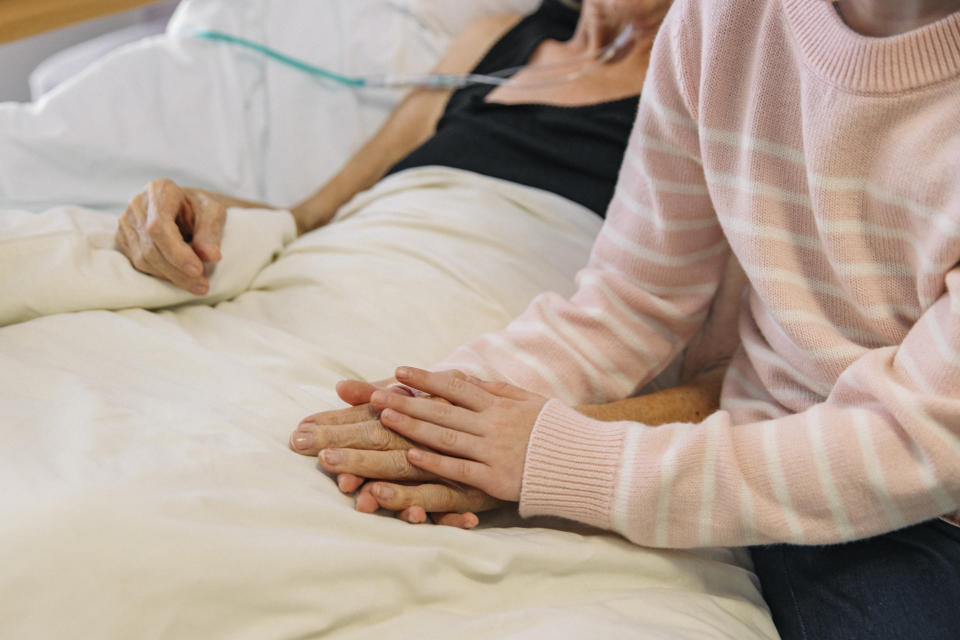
(438, 80)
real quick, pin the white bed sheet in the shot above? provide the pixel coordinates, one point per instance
(146, 488)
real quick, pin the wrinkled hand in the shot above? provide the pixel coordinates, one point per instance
(354, 444)
(170, 232)
(446, 504)
(484, 432)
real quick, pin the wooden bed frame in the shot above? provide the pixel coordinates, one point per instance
(24, 18)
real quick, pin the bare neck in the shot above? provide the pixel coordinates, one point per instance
(881, 18)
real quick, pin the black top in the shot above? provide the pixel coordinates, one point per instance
(574, 152)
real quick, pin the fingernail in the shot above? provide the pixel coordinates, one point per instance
(378, 397)
(302, 440)
(403, 372)
(199, 289)
(332, 456)
(384, 492)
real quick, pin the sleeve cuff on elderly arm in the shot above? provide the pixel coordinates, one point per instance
(571, 466)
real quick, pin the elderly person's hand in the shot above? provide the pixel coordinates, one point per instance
(171, 232)
(354, 444)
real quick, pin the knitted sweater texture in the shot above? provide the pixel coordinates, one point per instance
(828, 164)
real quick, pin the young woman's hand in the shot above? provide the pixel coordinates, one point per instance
(482, 434)
(353, 444)
(170, 232)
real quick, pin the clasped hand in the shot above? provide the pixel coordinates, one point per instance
(170, 233)
(485, 426)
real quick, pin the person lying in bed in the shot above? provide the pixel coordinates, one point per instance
(567, 138)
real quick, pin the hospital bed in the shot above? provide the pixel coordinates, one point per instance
(146, 487)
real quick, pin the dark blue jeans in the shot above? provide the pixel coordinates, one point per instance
(904, 584)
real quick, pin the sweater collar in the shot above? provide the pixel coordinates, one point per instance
(864, 64)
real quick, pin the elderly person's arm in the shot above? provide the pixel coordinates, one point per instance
(170, 232)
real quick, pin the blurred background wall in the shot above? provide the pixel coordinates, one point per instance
(62, 52)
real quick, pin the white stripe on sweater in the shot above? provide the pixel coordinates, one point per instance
(642, 252)
(748, 144)
(872, 312)
(946, 224)
(665, 186)
(709, 484)
(747, 518)
(655, 144)
(589, 371)
(545, 373)
(924, 466)
(627, 336)
(762, 351)
(812, 242)
(775, 472)
(668, 472)
(758, 188)
(657, 289)
(662, 307)
(593, 354)
(868, 448)
(648, 215)
(947, 351)
(785, 317)
(840, 518)
(730, 138)
(621, 493)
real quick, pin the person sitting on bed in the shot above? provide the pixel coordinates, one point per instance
(820, 144)
(566, 138)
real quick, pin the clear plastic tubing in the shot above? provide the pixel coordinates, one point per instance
(587, 62)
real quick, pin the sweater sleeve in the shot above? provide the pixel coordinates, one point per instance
(652, 274)
(882, 452)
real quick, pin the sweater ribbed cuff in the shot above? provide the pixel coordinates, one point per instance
(571, 466)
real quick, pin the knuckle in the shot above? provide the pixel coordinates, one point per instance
(151, 253)
(154, 228)
(443, 412)
(398, 467)
(436, 497)
(376, 436)
(405, 496)
(456, 385)
(449, 438)
(329, 438)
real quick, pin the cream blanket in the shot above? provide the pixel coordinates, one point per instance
(146, 487)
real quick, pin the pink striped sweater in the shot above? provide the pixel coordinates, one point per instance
(829, 164)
